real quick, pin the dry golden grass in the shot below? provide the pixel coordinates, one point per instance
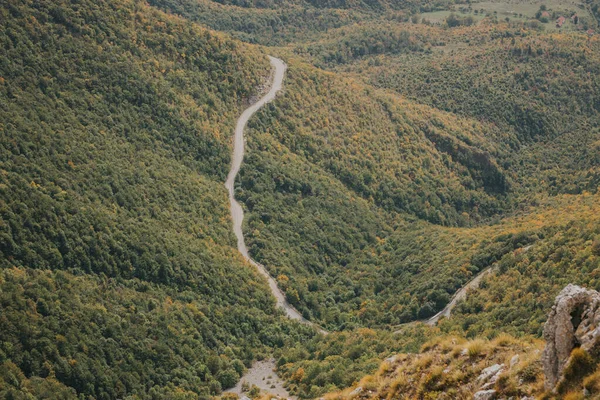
(476, 348)
(574, 396)
(448, 368)
(424, 361)
(503, 340)
(592, 383)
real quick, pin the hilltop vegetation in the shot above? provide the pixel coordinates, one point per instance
(403, 161)
(278, 23)
(335, 168)
(104, 338)
(517, 297)
(119, 272)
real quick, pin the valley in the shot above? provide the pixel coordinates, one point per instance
(408, 187)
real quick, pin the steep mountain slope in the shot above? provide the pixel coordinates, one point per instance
(505, 155)
(454, 368)
(540, 89)
(119, 269)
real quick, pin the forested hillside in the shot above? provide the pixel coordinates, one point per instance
(404, 155)
(119, 274)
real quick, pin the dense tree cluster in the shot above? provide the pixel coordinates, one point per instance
(373, 191)
(119, 275)
(518, 296)
(359, 43)
(107, 338)
(341, 359)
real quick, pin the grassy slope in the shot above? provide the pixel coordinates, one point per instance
(449, 368)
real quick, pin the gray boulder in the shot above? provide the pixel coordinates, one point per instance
(573, 321)
(485, 395)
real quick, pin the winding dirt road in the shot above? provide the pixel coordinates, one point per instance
(458, 296)
(263, 370)
(237, 213)
(461, 294)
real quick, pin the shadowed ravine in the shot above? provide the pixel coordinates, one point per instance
(237, 213)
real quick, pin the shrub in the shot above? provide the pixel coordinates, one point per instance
(504, 339)
(476, 348)
(529, 373)
(397, 386)
(579, 365)
(433, 378)
(592, 382)
(424, 361)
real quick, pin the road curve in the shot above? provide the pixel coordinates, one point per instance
(458, 296)
(462, 292)
(237, 213)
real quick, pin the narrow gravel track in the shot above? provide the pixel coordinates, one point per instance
(461, 294)
(237, 213)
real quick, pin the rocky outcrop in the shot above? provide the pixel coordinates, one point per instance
(574, 321)
(485, 395)
(490, 375)
(356, 391)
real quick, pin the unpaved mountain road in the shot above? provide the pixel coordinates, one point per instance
(264, 370)
(237, 213)
(461, 294)
(458, 296)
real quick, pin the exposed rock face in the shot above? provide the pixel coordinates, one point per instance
(490, 372)
(574, 321)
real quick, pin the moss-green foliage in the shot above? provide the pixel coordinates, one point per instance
(281, 22)
(350, 44)
(15, 385)
(329, 168)
(514, 146)
(518, 296)
(108, 338)
(115, 124)
(269, 25)
(522, 82)
(540, 89)
(113, 154)
(120, 274)
(537, 87)
(339, 360)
